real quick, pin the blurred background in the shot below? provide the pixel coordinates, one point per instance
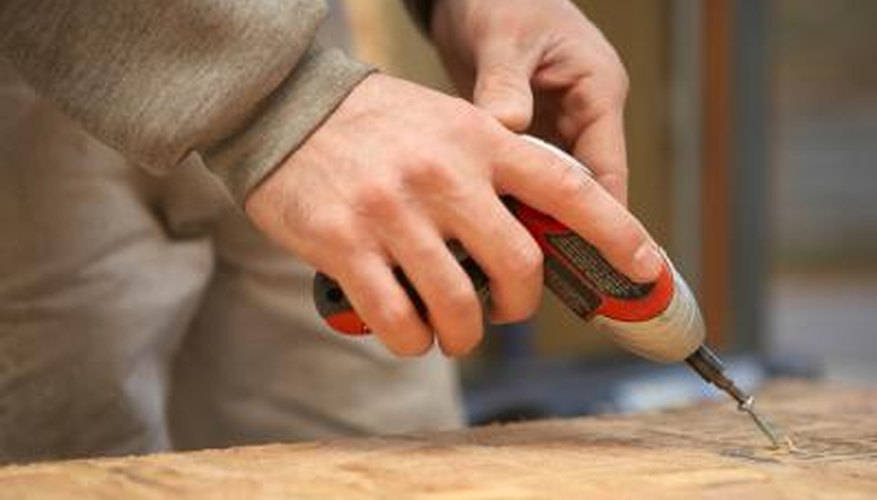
(752, 133)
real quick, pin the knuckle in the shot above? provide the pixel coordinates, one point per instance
(500, 76)
(327, 231)
(571, 185)
(329, 224)
(410, 348)
(617, 179)
(507, 148)
(467, 120)
(607, 94)
(394, 321)
(612, 70)
(626, 237)
(633, 234)
(424, 169)
(377, 200)
(525, 259)
(393, 316)
(463, 110)
(618, 79)
(460, 301)
(460, 344)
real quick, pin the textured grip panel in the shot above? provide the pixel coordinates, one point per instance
(591, 263)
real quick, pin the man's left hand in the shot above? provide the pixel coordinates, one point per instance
(543, 67)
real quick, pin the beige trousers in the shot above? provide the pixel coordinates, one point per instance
(141, 314)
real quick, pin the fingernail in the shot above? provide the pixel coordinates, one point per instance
(647, 262)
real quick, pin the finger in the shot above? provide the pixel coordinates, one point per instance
(383, 305)
(502, 84)
(548, 183)
(601, 147)
(454, 310)
(506, 252)
(592, 120)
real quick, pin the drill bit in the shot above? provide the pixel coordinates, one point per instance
(710, 368)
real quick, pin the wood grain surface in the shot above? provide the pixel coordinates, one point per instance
(708, 451)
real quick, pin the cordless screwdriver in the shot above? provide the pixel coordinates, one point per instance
(659, 321)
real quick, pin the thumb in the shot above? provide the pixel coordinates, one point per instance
(502, 85)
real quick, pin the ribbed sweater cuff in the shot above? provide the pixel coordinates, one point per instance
(321, 80)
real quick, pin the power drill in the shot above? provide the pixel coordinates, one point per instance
(659, 321)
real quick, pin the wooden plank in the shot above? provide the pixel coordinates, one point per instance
(700, 452)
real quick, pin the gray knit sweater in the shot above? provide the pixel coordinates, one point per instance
(240, 83)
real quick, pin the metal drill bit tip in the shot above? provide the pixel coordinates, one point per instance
(710, 368)
(766, 428)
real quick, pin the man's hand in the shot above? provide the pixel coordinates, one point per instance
(514, 56)
(396, 171)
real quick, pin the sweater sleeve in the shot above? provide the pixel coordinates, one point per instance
(242, 84)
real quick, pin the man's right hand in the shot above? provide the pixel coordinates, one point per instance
(395, 172)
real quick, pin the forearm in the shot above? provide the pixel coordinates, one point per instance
(240, 83)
